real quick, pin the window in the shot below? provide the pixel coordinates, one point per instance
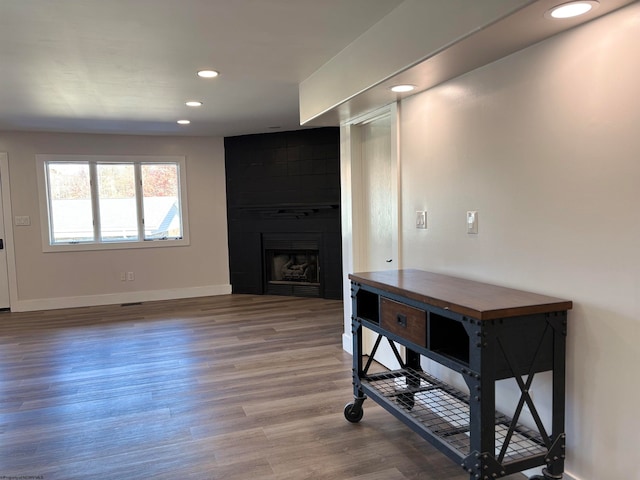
(97, 202)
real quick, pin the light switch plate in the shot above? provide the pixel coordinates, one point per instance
(472, 221)
(421, 219)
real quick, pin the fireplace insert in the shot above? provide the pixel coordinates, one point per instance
(293, 266)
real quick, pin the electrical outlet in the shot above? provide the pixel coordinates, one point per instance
(123, 276)
(130, 276)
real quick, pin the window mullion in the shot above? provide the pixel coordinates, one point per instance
(86, 202)
(95, 201)
(137, 168)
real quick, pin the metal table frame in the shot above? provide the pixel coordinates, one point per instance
(465, 425)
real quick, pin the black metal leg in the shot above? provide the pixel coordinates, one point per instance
(407, 399)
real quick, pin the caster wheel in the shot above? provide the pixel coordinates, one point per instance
(546, 475)
(406, 400)
(353, 413)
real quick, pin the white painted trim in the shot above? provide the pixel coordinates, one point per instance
(372, 116)
(118, 298)
(396, 186)
(347, 343)
(352, 198)
(8, 230)
(346, 189)
(538, 471)
(43, 198)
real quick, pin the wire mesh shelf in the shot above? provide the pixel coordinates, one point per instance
(445, 412)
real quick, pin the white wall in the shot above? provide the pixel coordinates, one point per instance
(545, 144)
(413, 31)
(60, 279)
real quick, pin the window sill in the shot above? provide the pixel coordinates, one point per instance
(83, 247)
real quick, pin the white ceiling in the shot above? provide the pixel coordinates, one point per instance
(128, 66)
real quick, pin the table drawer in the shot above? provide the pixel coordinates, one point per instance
(405, 321)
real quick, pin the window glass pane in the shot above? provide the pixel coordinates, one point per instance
(111, 202)
(117, 202)
(161, 201)
(70, 202)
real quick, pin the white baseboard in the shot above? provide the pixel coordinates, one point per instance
(118, 298)
(347, 343)
(538, 471)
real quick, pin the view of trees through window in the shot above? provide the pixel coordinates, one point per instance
(71, 206)
(160, 180)
(71, 181)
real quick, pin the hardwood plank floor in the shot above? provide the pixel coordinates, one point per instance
(229, 387)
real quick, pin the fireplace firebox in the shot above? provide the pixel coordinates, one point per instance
(292, 264)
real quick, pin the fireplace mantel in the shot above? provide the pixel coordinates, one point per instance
(294, 210)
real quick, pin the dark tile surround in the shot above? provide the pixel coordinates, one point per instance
(288, 184)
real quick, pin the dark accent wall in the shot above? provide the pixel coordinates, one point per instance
(286, 183)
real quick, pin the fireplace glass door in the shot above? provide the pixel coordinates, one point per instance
(290, 271)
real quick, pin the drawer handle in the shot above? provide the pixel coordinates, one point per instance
(402, 320)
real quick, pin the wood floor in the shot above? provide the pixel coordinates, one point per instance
(230, 387)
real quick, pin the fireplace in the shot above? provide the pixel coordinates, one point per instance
(283, 203)
(291, 264)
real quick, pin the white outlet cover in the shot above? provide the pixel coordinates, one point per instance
(22, 220)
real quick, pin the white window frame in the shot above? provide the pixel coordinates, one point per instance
(137, 160)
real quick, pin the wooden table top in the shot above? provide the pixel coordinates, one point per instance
(478, 300)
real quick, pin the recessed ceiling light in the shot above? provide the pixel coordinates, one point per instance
(184, 122)
(402, 88)
(572, 9)
(208, 73)
(193, 103)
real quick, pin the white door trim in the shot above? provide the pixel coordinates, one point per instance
(8, 228)
(351, 186)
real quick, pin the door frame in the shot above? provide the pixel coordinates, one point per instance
(7, 218)
(351, 195)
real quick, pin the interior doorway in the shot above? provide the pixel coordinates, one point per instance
(375, 205)
(6, 232)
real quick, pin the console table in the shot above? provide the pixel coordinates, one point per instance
(485, 333)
